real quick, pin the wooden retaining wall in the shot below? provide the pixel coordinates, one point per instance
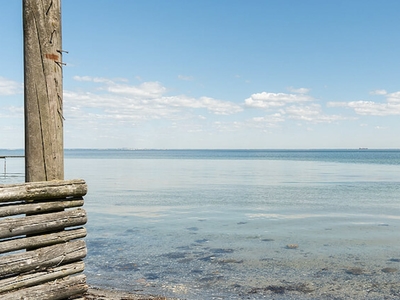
(41, 245)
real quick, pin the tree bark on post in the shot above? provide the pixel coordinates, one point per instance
(43, 91)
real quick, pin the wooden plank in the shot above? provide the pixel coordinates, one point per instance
(42, 240)
(42, 207)
(42, 258)
(43, 190)
(28, 280)
(43, 92)
(10, 227)
(54, 290)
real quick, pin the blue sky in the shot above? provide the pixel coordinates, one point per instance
(217, 74)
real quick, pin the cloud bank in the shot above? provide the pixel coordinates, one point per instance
(364, 108)
(107, 108)
(271, 100)
(114, 99)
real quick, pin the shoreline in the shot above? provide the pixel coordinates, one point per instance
(357, 286)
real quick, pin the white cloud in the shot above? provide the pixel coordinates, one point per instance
(91, 79)
(378, 92)
(98, 79)
(296, 106)
(152, 94)
(114, 105)
(389, 108)
(272, 100)
(370, 107)
(393, 97)
(148, 90)
(299, 90)
(269, 121)
(220, 107)
(310, 113)
(225, 126)
(9, 87)
(185, 78)
(306, 113)
(136, 103)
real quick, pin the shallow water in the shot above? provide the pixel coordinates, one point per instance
(236, 226)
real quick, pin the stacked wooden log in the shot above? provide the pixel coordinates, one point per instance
(41, 246)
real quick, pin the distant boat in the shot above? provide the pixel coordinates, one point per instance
(362, 148)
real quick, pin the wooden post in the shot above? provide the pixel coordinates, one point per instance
(44, 149)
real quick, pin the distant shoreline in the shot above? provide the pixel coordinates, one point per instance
(217, 149)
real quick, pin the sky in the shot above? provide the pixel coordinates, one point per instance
(217, 74)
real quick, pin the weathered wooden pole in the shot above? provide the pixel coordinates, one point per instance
(44, 147)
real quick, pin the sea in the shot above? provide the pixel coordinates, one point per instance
(239, 224)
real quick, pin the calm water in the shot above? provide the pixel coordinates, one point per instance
(207, 224)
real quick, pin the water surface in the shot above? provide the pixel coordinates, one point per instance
(242, 224)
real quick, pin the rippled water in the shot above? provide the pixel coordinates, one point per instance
(239, 225)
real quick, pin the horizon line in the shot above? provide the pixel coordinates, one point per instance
(213, 149)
